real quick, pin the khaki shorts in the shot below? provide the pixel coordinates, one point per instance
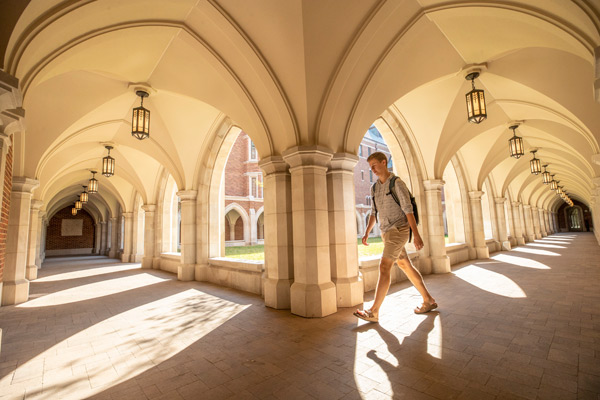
(394, 241)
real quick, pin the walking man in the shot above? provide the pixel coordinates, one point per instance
(395, 222)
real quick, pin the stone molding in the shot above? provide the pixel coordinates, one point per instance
(475, 195)
(22, 184)
(187, 195)
(344, 162)
(434, 184)
(500, 200)
(149, 208)
(307, 156)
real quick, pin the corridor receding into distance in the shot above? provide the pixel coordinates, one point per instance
(512, 326)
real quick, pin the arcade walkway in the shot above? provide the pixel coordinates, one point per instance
(523, 324)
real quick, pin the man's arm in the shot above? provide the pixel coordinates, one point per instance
(413, 225)
(368, 230)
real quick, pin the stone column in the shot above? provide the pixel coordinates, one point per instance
(39, 236)
(128, 239)
(343, 251)
(542, 219)
(547, 221)
(15, 288)
(535, 217)
(31, 269)
(555, 221)
(119, 225)
(478, 231)
(313, 294)
(44, 236)
(501, 215)
(279, 251)
(187, 270)
(135, 238)
(518, 223)
(112, 253)
(103, 236)
(440, 262)
(149, 236)
(529, 229)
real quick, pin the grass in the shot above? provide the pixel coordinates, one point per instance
(257, 252)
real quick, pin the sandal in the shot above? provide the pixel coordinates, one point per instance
(367, 315)
(425, 308)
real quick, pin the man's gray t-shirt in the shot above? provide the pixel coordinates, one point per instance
(389, 214)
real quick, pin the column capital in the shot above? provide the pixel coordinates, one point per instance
(533, 208)
(596, 180)
(102, 222)
(516, 203)
(500, 200)
(314, 156)
(526, 206)
(36, 204)
(344, 161)
(112, 219)
(149, 208)
(273, 164)
(127, 214)
(187, 195)
(433, 184)
(596, 158)
(22, 184)
(475, 195)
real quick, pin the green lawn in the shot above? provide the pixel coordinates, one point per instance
(257, 252)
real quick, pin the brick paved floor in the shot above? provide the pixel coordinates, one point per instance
(523, 324)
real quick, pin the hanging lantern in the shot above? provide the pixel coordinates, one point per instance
(84, 195)
(535, 165)
(476, 111)
(73, 211)
(515, 144)
(558, 189)
(553, 183)
(93, 184)
(108, 164)
(140, 121)
(78, 204)
(546, 176)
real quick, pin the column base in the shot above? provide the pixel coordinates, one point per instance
(313, 300)
(482, 252)
(544, 234)
(530, 238)
(349, 291)
(505, 246)
(440, 264)
(15, 292)
(147, 262)
(186, 272)
(125, 258)
(277, 293)
(201, 272)
(538, 235)
(520, 241)
(31, 272)
(112, 254)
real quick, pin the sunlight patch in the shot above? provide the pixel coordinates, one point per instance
(520, 261)
(143, 337)
(490, 281)
(94, 290)
(84, 273)
(536, 251)
(434, 339)
(538, 244)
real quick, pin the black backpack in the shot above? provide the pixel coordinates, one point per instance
(392, 192)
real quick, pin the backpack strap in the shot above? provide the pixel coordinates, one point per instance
(397, 200)
(373, 199)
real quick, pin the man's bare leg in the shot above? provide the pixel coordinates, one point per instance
(415, 277)
(383, 283)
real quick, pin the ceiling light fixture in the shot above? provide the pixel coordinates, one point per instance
(515, 144)
(140, 121)
(535, 165)
(93, 184)
(476, 110)
(108, 164)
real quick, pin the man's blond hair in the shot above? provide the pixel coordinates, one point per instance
(379, 156)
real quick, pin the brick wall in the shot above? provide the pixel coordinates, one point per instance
(7, 190)
(54, 239)
(362, 172)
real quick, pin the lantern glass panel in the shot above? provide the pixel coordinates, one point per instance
(140, 123)
(546, 177)
(515, 145)
(84, 197)
(73, 211)
(78, 205)
(476, 110)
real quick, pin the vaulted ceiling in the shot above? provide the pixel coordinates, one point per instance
(301, 72)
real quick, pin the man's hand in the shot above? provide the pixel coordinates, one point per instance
(365, 238)
(418, 242)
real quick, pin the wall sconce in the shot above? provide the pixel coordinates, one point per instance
(93, 183)
(476, 111)
(546, 175)
(84, 195)
(108, 164)
(515, 144)
(140, 121)
(535, 165)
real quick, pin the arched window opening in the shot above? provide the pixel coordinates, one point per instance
(171, 218)
(452, 207)
(487, 215)
(243, 201)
